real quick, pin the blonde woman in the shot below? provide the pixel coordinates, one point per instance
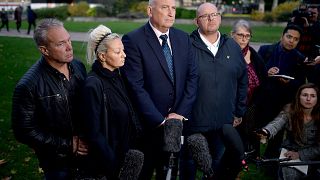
(109, 121)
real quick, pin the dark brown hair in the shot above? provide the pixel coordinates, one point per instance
(297, 114)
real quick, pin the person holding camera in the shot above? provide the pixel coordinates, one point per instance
(309, 44)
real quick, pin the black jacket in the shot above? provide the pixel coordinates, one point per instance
(43, 111)
(109, 121)
(223, 84)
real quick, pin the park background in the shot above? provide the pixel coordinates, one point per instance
(18, 52)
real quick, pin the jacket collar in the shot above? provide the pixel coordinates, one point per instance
(104, 72)
(54, 71)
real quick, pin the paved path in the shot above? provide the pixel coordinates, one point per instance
(77, 36)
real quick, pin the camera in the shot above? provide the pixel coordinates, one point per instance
(299, 13)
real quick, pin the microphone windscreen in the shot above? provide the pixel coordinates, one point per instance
(132, 165)
(172, 135)
(199, 148)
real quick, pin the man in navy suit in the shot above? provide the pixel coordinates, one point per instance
(158, 92)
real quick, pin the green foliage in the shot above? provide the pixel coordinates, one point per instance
(185, 13)
(284, 10)
(92, 12)
(257, 16)
(60, 12)
(139, 7)
(78, 9)
(268, 18)
(120, 6)
(102, 11)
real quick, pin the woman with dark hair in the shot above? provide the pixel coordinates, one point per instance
(301, 121)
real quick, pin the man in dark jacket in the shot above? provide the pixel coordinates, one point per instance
(32, 16)
(4, 19)
(222, 90)
(44, 102)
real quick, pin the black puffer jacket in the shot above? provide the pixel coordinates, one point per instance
(43, 109)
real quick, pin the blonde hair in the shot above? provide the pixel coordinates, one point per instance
(98, 39)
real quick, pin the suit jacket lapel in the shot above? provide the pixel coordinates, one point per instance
(157, 49)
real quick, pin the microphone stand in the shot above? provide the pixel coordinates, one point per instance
(171, 165)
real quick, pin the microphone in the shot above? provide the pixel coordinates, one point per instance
(172, 135)
(199, 148)
(132, 165)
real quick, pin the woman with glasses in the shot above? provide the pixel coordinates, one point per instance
(242, 33)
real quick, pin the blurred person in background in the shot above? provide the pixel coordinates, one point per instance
(32, 16)
(306, 17)
(4, 19)
(18, 17)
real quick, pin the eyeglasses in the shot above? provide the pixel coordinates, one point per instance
(244, 36)
(211, 16)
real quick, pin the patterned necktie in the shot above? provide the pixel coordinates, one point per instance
(167, 54)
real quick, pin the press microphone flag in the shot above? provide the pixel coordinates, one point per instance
(172, 135)
(199, 148)
(132, 165)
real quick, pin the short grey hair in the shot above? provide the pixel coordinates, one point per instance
(98, 39)
(241, 23)
(151, 2)
(41, 31)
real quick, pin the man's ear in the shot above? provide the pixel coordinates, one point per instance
(44, 50)
(195, 21)
(149, 11)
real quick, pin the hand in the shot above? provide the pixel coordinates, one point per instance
(79, 146)
(292, 155)
(82, 147)
(284, 81)
(75, 142)
(262, 134)
(315, 62)
(273, 71)
(175, 116)
(237, 121)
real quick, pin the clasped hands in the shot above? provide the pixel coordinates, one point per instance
(79, 146)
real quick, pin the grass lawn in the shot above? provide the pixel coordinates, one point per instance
(16, 56)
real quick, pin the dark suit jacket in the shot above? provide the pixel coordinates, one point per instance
(147, 74)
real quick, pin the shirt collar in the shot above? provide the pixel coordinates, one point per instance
(158, 33)
(209, 44)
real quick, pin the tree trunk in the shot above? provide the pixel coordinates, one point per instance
(274, 4)
(261, 6)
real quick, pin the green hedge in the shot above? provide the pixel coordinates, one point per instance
(185, 13)
(60, 12)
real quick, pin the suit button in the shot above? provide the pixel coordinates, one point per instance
(170, 94)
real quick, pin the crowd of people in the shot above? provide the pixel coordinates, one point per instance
(17, 16)
(112, 123)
